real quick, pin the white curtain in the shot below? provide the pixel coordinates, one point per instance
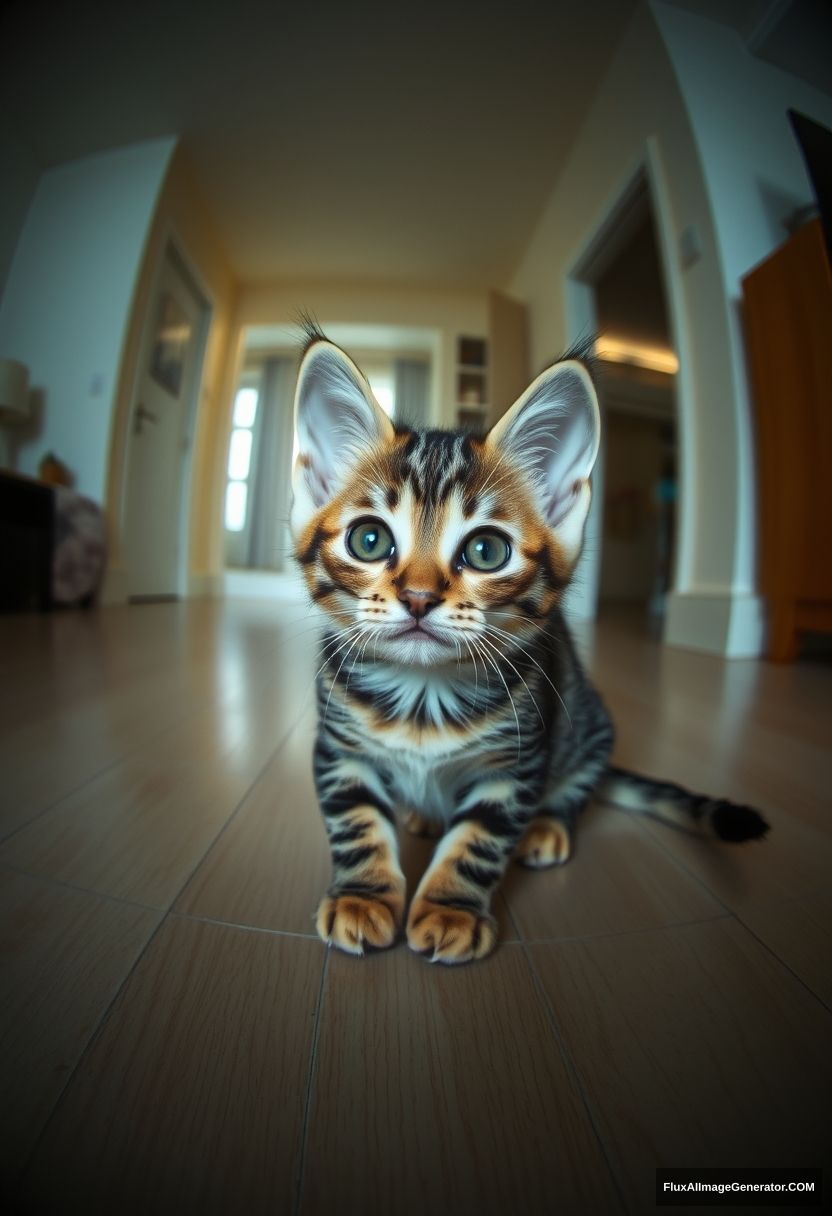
(412, 386)
(270, 480)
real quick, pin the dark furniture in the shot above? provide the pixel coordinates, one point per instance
(27, 541)
(788, 323)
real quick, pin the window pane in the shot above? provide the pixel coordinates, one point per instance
(235, 506)
(384, 396)
(245, 407)
(239, 455)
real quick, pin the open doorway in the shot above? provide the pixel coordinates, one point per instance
(636, 522)
(400, 364)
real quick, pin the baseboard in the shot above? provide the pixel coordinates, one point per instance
(114, 587)
(716, 622)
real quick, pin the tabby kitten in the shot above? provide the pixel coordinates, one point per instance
(450, 691)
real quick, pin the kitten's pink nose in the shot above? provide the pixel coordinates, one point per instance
(418, 603)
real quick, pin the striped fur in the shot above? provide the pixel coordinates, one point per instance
(479, 723)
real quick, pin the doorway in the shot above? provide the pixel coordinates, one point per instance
(636, 490)
(161, 429)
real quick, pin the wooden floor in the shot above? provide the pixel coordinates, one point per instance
(176, 1040)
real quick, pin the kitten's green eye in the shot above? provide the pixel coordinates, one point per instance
(370, 540)
(486, 551)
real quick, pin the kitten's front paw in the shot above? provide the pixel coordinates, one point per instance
(547, 842)
(448, 934)
(352, 922)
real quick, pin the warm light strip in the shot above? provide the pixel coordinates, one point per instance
(656, 358)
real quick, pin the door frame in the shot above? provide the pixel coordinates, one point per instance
(171, 248)
(581, 320)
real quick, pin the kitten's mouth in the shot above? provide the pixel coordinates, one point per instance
(418, 633)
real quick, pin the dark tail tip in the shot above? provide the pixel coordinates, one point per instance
(734, 823)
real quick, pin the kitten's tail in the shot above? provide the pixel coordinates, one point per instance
(674, 805)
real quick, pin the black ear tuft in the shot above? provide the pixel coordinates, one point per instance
(733, 822)
(312, 331)
(583, 351)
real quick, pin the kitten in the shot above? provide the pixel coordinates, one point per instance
(450, 691)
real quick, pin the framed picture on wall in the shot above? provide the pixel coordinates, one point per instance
(170, 346)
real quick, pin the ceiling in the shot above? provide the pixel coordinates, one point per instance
(360, 141)
(794, 35)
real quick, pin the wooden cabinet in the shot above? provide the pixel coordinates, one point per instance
(788, 323)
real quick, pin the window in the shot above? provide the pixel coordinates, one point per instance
(239, 458)
(384, 388)
(379, 370)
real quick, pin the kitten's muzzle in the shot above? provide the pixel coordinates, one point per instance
(419, 603)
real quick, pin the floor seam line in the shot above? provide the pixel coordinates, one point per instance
(310, 1084)
(270, 759)
(167, 914)
(120, 759)
(737, 916)
(574, 1073)
(94, 1036)
(63, 885)
(786, 966)
(232, 924)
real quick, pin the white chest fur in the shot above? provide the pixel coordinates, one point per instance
(423, 764)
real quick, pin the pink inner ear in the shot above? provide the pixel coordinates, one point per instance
(337, 419)
(551, 432)
(561, 503)
(316, 481)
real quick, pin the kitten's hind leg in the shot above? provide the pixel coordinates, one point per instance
(549, 838)
(547, 842)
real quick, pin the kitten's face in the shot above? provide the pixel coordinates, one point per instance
(428, 547)
(433, 550)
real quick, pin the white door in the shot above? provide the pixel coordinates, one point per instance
(161, 426)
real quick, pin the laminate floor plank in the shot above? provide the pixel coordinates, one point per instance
(664, 1006)
(748, 764)
(138, 830)
(696, 1047)
(793, 860)
(86, 722)
(799, 932)
(271, 866)
(444, 1090)
(192, 1098)
(63, 956)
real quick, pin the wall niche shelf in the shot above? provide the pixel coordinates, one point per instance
(472, 383)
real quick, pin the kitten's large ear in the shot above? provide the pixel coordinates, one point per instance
(552, 433)
(337, 420)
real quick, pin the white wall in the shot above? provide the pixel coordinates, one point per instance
(684, 98)
(754, 173)
(638, 119)
(754, 178)
(67, 300)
